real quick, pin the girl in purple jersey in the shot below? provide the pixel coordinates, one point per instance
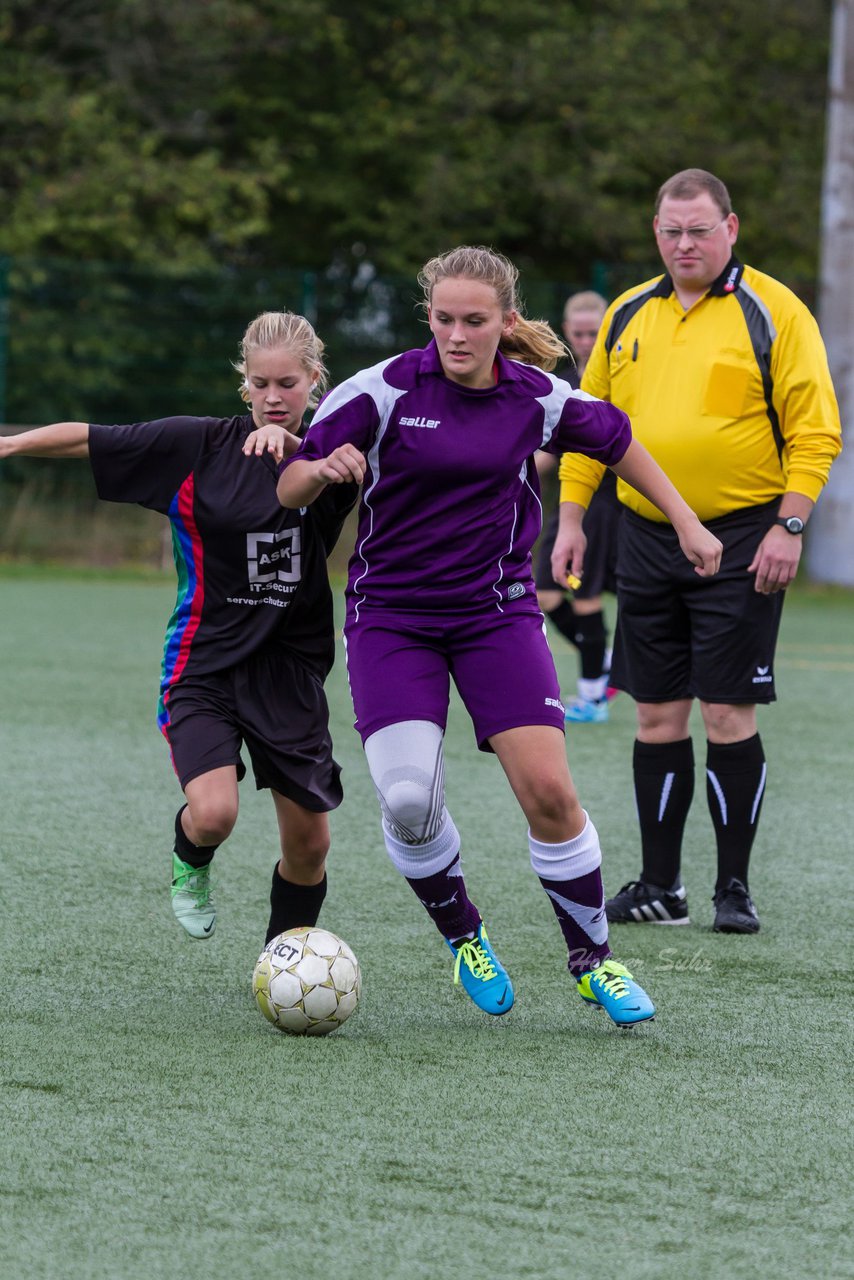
(251, 637)
(440, 586)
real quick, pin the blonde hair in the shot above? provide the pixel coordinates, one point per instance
(285, 329)
(587, 300)
(532, 341)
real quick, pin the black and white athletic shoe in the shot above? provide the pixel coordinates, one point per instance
(642, 903)
(734, 909)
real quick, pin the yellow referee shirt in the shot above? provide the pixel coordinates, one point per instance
(732, 398)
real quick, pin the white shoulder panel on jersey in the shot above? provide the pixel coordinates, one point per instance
(553, 403)
(368, 382)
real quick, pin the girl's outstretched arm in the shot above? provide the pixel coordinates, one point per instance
(59, 440)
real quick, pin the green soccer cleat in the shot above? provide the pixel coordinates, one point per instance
(482, 975)
(611, 987)
(191, 898)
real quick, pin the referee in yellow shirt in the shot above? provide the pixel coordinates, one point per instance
(724, 375)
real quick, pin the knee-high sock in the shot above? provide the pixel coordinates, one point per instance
(735, 785)
(586, 632)
(293, 905)
(434, 872)
(570, 874)
(563, 617)
(664, 789)
(591, 640)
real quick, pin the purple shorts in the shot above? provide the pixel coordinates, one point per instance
(400, 668)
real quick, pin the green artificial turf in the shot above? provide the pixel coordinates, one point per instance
(153, 1125)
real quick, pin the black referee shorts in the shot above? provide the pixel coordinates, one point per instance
(601, 521)
(274, 705)
(682, 636)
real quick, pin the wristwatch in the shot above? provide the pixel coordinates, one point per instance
(792, 524)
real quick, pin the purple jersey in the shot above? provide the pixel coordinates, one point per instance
(450, 505)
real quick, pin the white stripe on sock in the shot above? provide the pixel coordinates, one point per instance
(666, 788)
(719, 792)
(759, 792)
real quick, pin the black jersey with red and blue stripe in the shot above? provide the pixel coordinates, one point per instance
(251, 574)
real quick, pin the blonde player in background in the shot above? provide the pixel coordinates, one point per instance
(580, 617)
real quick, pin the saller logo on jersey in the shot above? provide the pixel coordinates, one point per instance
(515, 590)
(419, 422)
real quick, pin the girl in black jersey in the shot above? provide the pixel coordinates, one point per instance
(251, 638)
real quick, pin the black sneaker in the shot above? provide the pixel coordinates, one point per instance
(734, 910)
(642, 903)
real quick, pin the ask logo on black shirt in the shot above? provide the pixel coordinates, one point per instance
(273, 557)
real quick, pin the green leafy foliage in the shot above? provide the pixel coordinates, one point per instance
(306, 133)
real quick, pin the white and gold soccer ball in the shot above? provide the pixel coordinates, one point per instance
(307, 982)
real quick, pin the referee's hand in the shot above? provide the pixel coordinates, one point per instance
(776, 561)
(570, 544)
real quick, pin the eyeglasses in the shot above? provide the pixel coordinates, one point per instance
(675, 234)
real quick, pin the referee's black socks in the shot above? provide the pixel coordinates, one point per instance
(664, 789)
(735, 785)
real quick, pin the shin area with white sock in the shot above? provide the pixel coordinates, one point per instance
(407, 766)
(571, 875)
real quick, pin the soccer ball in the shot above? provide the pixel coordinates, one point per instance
(307, 982)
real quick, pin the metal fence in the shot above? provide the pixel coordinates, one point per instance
(102, 342)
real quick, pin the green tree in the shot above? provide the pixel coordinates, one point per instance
(218, 131)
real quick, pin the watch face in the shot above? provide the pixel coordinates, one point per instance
(794, 524)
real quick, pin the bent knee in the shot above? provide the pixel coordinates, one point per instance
(550, 800)
(409, 807)
(213, 822)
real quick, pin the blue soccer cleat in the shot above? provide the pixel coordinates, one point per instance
(583, 711)
(611, 987)
(481, 973)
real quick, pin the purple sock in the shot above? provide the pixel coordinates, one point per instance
(579, 905)
(443, 896)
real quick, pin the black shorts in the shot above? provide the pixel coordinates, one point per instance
(275, 706)
(601, 522)
(682, 636)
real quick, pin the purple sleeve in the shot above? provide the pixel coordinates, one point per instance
(346, 416)
(593, 427)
